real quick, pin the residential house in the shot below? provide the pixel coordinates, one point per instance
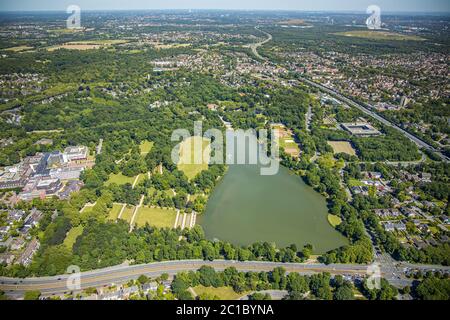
(27, 256)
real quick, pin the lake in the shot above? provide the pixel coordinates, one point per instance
(247, 207)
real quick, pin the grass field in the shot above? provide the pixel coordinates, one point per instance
(156, 217)
(119, 179)
(379, 35)
(171, 46)
(342, 147)
(187, 154)
(355, 183)
(114, 212)
(334, 220)
(224, 293)
(72, 236)
(127, 213)
(286, 140)
(19, 48)
(145, 147)
(86, 45)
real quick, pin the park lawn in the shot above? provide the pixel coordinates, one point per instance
(114, 212)
(127, 214)
(224, 293)
(334, 220)
(119, 179)
(379, 35)
(87, 210)
(186, 161)
(156, 217)
(72, 236)
(141, 178)
(145, 147)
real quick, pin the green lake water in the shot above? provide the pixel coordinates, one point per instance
(247, 207)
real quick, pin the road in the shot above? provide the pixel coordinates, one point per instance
(366, 109)
(255, 46)
(57, 285)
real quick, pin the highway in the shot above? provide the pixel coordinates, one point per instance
(255, 46)
(56, 285)
(366, 109)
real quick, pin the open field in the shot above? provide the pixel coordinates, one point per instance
(171, 46)
(86, 45)
(72, 236)
(286, 140)
(294, 22)
(188, 154)
(342, 147)
(156, 217)
(119, 179)
(379, 35)
(19, 48)
(224, 293)
(114, 212)
(127, 213)
(145, 147)
(334, 220)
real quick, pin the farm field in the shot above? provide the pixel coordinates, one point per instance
(379, 35)
(19, 48)
(86, 45)
(187, 156)
(156, 217)
(342, 147)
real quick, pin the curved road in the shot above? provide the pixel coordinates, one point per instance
(255, 46)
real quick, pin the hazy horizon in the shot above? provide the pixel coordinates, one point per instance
(401, 6)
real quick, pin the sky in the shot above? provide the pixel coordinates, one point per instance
(303, 5)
